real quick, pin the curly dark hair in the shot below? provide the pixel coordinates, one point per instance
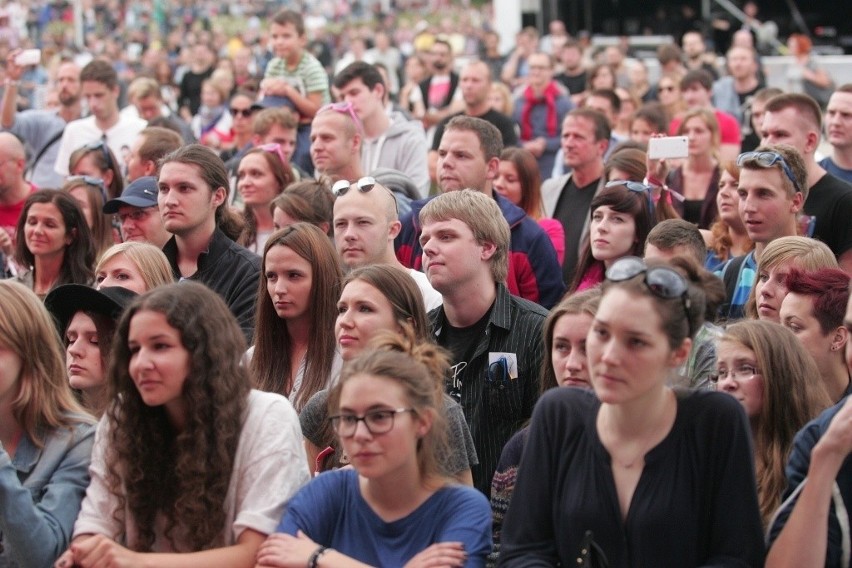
(182, 475)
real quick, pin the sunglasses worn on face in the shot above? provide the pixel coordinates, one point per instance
(364, 185)
(663, 282)
(767, 160)
(243, 112)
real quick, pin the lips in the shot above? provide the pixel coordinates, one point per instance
(347, 340)
(75, 369)
(574, 382)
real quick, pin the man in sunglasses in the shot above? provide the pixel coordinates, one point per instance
(772, 190)
(100, 89)
(796, 119)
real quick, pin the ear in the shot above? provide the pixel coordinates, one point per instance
(218, 197)
(811, 142)
(108, 177)
(797, 202)
(424, 423)
(488, 250)
(394, 229)
(492, 169)
(356, 143)
(679, 355)
(150, 167)
(603, 145)
(839, 338)
(325, 227)
(70, 237)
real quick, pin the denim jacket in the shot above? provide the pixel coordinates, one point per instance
(40, 495)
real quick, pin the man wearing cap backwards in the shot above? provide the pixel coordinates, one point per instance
(138, 212)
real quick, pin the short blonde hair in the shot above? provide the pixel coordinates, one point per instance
(484, 218)
(803, 252)
(150, 261)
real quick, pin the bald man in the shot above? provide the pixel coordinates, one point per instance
(336, 145)
(14, 189)
(365, 226)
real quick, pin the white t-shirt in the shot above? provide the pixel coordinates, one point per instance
(431, 297)
(80, 132)
(269, 467)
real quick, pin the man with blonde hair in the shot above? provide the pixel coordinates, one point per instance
(494, 337)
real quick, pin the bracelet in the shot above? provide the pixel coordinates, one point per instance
(654, 181)
(313, 561)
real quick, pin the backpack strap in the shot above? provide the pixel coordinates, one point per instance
(40, 154)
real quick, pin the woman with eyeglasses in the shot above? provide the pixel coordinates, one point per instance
(519, 181)
(90, 193)
(621, 215)
(649, 474)
(45, 435)
(294, 352)
(96, 160)
(670, 96)
(395, 507)
(771, 374)
(191, 467)
(697, 180)
(56, 247)
(262, 175)
(381, 298)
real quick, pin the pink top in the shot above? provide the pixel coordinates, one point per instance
(556, 232)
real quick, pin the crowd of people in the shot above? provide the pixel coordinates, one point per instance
(422, 304)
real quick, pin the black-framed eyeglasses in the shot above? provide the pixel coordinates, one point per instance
(767, 160)
(90, 180)
(738, 373)
(376, 421)
(662, 281)
(102, 146)
(636, 187)
(498, 373)
(364, 185)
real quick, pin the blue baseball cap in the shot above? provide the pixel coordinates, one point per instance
(141, 193)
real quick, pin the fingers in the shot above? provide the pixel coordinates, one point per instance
(65, 561)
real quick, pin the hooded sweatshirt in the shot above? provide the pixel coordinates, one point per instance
(402, 147)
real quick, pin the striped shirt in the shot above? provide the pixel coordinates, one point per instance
(496, 407)
(308, 76)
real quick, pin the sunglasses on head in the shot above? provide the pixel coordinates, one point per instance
(636, 187)
(767, 160)
(343, 108)
(89, 180)
(364, 185)
(662, 281)
(101, 145)
(274, 148)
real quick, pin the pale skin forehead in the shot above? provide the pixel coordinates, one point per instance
(378, 202)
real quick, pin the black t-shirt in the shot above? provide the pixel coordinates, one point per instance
(190, 89)
(461, 341)
(503, 123)
(830, 201)
(572, 209)
(574, 83)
